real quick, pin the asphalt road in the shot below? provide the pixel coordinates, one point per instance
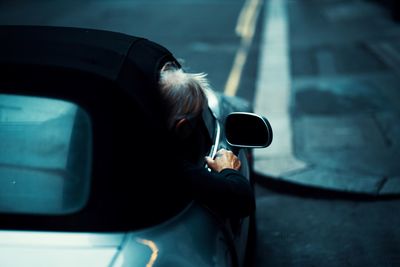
(303, 226)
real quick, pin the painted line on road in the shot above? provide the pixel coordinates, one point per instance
(245, 28)
(272, 98)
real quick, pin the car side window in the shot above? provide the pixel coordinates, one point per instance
(45, 155)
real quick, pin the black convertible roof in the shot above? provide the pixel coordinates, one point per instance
(114, 78)
(34, 54)
(96, 51)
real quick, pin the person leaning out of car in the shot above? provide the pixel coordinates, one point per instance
(224, 188)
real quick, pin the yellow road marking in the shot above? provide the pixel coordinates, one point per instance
(245, 28)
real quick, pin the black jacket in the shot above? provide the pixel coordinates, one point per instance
(227, 192)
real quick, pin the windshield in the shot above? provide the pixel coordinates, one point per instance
(45, 155)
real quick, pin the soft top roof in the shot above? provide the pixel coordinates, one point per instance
(114, 78)
(102, 71)
(52, 56)
(99, 52)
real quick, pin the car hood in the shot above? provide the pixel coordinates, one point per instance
(58, 249)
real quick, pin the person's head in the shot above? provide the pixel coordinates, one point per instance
(185, 97)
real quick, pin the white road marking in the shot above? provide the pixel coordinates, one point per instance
(272, 97)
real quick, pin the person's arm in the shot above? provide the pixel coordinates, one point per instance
(225, 188)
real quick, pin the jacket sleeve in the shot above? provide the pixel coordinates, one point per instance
(228, 192)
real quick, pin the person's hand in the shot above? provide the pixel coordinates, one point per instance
(224, 159)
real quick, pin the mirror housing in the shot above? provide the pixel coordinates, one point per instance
(244, 129)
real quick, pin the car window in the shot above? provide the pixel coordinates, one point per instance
(45, 155)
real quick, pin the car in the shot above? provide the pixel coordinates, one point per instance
(393, 7)
(86, 176)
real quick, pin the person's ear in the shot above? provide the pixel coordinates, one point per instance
(183, 128)
(170, 65)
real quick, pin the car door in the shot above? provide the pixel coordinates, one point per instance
(237, 229)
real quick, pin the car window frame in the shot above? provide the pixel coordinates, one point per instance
(214, 131)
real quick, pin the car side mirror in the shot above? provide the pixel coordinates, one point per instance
(244, 129)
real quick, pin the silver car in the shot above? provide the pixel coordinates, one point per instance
(85, 173)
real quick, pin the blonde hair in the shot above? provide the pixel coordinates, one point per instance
(183, 92)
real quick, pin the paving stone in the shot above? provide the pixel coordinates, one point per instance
(344, 101)
(391, 186)
(336, 180)
(340, 133)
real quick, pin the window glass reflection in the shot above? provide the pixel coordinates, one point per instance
(45, 155)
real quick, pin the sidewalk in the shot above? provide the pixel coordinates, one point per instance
(341, 112)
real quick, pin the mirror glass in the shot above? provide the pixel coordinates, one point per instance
(248, 130)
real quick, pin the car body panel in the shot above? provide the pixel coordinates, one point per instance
(18, 248)
(179, 242)
(176, 242)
